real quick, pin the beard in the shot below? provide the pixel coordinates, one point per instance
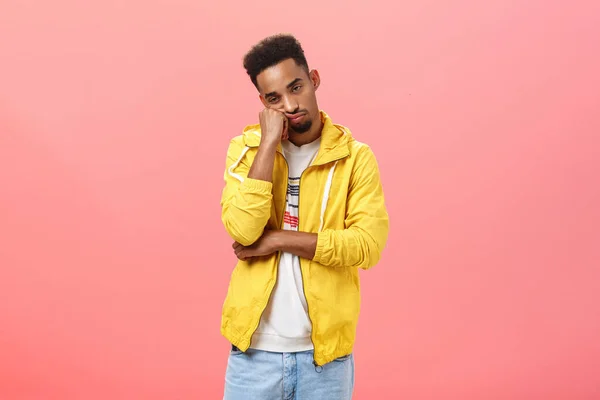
(302, 128)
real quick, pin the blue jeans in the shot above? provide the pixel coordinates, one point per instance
(261, 375)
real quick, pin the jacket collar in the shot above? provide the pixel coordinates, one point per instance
(335, 140)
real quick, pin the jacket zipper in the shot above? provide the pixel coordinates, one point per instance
(276, 264)
(302, 274)
(279, 256)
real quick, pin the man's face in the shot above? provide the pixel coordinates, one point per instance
(288, 88)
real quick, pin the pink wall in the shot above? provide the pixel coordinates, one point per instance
(114, 122)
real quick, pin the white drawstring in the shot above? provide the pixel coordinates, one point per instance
(235, 164)
(326, 194)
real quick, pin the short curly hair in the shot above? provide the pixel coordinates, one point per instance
(271, 51)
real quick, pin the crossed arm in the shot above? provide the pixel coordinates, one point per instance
(246, 207)
(298, 243)
(302, 244)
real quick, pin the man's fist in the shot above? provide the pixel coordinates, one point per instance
(273, 126)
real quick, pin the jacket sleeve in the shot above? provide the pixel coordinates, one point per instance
(365, 235)
(245, 202)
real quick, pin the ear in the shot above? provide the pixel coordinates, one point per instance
(315, 78)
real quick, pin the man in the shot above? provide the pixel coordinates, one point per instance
(304, 205)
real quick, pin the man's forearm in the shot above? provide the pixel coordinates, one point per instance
(302, 244)
(246, 206)
(262, 166)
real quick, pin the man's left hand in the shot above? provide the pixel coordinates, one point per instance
(264, 246)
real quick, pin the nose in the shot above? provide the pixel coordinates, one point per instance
(290, 105)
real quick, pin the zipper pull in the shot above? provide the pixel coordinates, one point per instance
(318, 368)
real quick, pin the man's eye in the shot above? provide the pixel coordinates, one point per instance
(272, 99)
(296, 88)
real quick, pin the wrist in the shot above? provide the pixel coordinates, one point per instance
(276, 240)
(268, 143)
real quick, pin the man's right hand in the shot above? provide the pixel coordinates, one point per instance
(273, 126)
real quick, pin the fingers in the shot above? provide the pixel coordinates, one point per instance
(285, 121)
(243, 256)
(237, 247)
(272, 123)
(285, 135)
(240, 251)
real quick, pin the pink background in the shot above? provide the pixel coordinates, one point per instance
(114, 121)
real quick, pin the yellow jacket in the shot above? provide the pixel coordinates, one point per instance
(341, 199)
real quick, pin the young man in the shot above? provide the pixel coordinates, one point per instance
(304, 205)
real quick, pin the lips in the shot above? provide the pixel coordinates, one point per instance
(295, 118)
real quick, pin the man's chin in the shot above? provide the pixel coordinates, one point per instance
(303, 128)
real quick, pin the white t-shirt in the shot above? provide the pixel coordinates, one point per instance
(285, 326)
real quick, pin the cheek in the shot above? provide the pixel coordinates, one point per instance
(277, 106)
(310, 101)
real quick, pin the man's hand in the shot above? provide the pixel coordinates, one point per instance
(301, 244)
(264, 246)
(273, 126)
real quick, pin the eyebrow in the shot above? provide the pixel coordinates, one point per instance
(289, 85)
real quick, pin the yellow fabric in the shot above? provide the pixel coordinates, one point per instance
(354, 233)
